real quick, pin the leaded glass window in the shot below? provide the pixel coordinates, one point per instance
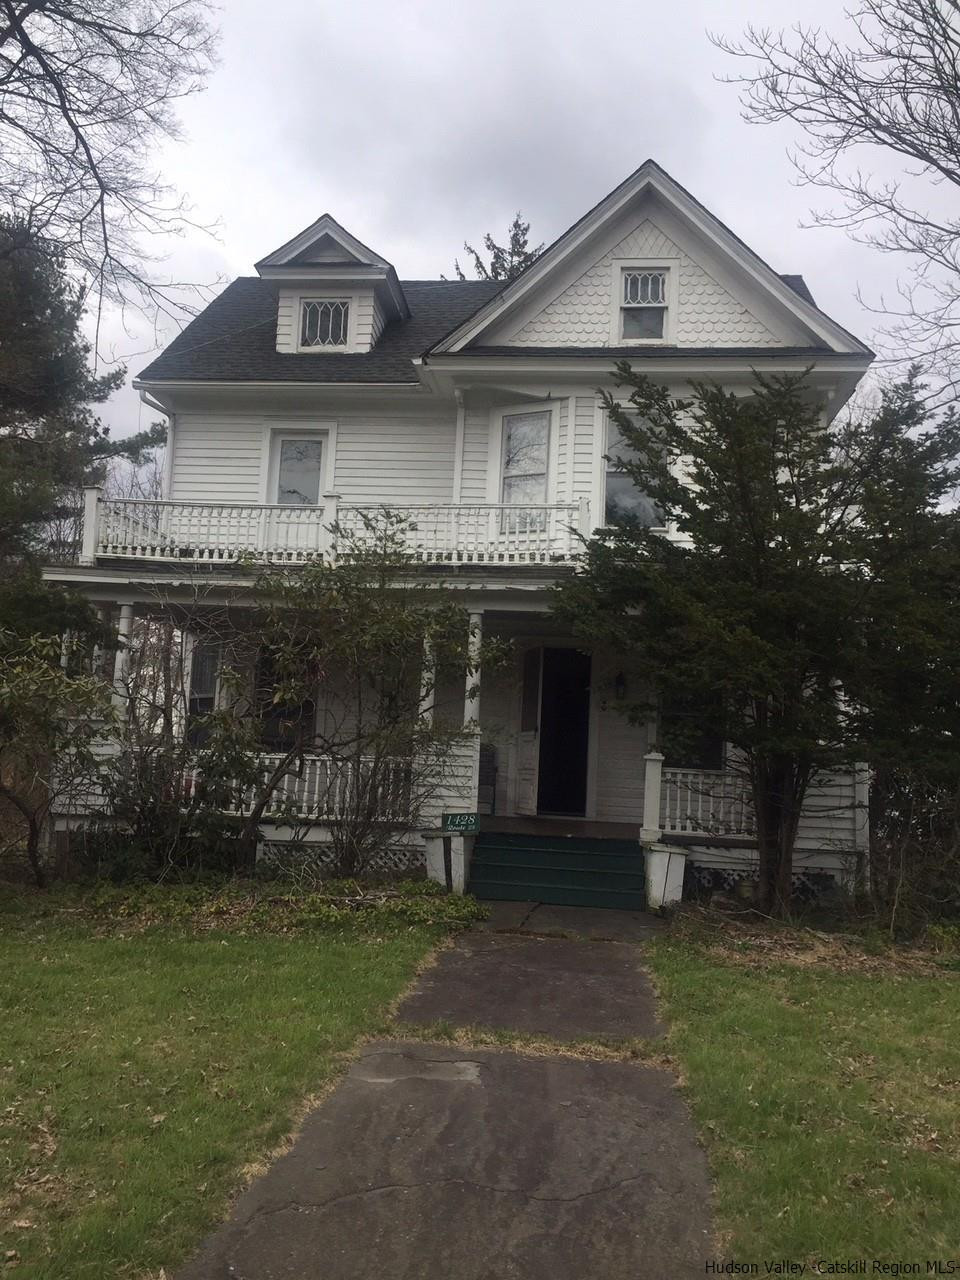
(324, 323)
(643, 309)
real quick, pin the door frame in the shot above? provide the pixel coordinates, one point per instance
(522, 643)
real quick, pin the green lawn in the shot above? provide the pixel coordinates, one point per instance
(828, 1098)
(141, 1070)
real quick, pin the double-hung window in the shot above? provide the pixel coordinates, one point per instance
(526, 439)
(623, 501)
(643, 304)
(202, 699)
(526, 448)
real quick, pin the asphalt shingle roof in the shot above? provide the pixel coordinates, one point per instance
(234, 338)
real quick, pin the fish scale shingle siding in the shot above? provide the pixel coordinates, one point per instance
(708, 314)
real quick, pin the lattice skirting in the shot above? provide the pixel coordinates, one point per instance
(808, 886)
(395, 860)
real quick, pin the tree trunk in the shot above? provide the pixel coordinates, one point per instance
(779, 786)
(34, 833)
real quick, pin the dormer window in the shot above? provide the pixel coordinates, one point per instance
(324, 322)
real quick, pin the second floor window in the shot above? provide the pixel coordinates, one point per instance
(324, 322)
(643, 305)
(299, 469)
(525, 441)
(623, 501)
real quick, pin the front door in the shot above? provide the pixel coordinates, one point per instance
(564, 732)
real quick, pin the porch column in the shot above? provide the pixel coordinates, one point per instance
(91, 515)
(471, 700)
(121, 662)
(651, 830)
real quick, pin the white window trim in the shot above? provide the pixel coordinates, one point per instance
(498, 442)
(672, 268)
(285, 428)
(351, 299)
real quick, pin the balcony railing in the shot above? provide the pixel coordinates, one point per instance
(226, 532)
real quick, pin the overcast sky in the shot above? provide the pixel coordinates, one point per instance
(420, 124)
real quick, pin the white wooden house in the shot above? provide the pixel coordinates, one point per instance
(324, 386)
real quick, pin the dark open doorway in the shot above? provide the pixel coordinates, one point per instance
(564, 732)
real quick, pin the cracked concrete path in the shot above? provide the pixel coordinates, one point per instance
(480, 1164)
(556, 987)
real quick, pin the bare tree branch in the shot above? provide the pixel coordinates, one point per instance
(893, 87)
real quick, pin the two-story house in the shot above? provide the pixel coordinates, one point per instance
(325, 386)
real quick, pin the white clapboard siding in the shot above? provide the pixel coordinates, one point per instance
(389, 457)
(562, 485)
(377, 322)
(476, 455)
(400, 456)
(830, 814)
(620, 748)
(217, 457)
(584, 447)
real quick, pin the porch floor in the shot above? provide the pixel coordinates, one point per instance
(551, 825)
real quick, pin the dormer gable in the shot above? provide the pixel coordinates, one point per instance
(335, 295)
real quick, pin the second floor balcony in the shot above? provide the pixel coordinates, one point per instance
(172, 532)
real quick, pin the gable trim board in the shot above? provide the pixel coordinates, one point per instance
(651, 178)
(325, 227)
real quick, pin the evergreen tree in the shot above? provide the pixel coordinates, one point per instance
(802, 573)
(506, 261)
(51, 442)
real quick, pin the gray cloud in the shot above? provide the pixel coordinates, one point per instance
(419, 124)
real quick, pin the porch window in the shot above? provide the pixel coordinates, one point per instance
(299, 471)
(283, 725)
(623, 501)
(324, 322)
(643, 305)
(202, 699)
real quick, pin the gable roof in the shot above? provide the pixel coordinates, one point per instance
(234, 339)
(326, 227)
(789, 291)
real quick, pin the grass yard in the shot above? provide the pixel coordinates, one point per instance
(826, 1088)
(144, 1064)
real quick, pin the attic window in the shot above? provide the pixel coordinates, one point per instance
(324, 322)
(643, 305)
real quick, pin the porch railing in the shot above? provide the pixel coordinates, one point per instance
(318, 788)
(705, 802)
(225, 532)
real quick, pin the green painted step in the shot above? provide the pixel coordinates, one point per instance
(552, 858)
(574, 871)
(599, 877)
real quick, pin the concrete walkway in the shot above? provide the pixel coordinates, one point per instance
(439, 1160)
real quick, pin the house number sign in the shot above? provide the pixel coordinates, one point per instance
(459, 822)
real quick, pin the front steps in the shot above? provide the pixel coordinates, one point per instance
(572, 871)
